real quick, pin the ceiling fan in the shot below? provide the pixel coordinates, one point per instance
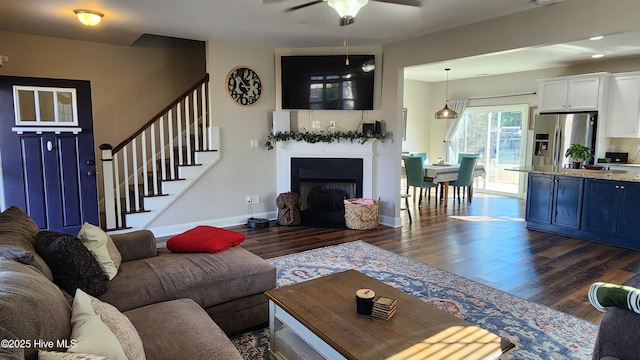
(348, 9)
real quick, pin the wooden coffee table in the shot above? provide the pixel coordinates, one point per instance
(318, 319)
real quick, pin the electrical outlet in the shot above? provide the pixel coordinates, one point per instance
(255, 199)
(315, 124)
(332, 124)
(254, 143)
(248, 200)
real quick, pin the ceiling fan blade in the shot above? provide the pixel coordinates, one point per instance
(305, 5)
(402, 2)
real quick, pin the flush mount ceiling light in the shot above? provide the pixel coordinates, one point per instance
(88, 17)
(446, 113)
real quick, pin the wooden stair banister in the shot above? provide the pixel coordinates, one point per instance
(198, 84)
(137, 166)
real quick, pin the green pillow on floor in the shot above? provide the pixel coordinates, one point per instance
(604, 295)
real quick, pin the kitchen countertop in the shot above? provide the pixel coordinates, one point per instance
(617, 173)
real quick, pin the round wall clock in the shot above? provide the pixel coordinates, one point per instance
(244, 86)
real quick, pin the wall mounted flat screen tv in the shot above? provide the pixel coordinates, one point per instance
(326, 83)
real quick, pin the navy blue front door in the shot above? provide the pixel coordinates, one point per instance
(49, 172)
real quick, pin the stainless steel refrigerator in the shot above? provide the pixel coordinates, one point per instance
(554, 133)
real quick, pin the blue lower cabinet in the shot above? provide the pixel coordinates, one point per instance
(628, 212)
(601, 203)
(567, 202)
(594, 209)
(554, 200)
(611, 212)
(539, 198)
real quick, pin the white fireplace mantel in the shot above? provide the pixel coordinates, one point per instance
(285, 150)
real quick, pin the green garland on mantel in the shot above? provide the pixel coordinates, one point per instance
(323, 136)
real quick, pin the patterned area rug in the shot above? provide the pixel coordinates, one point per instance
(539, 332)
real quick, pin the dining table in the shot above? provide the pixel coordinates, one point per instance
(444, 173)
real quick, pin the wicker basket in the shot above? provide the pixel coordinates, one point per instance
(361, 216)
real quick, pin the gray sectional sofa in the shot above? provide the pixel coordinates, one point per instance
(181, 305)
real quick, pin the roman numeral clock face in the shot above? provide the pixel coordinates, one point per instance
(244, 86)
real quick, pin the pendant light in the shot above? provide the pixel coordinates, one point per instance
(446, 113)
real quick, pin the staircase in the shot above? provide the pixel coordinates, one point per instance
(143, 175)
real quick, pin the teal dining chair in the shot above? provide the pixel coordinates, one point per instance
(423, 155)
(462, 155)
(465, 176)
(415, 176)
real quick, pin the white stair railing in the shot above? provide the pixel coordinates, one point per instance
(136, 167)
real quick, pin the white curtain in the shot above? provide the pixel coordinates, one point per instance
(458, 106)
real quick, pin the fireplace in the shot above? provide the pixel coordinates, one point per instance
(323, 185)
(326, 181)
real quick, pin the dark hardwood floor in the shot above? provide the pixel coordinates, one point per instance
(485, 241)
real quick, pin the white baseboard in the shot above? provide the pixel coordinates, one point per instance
(169, 230)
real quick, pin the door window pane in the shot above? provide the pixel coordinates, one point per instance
(45, 100)
(43, 106)
(496, 133)
(27, 105)
(65, 107)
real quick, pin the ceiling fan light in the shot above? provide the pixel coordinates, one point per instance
(347, 8)
(88, 17)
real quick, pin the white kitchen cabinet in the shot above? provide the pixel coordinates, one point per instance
(623, 111)
(571, 93)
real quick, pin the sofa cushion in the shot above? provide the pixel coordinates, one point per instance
(31, 306)
(27, 257)
(10, 352)
(181, 329)
(99, 328)
(102, 247)
(618, 335)
(18, 238)
(135, 245)
(72, 264)
(205, 239)
(209, 279)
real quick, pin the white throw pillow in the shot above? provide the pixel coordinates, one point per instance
(102, 247)
(99, 328)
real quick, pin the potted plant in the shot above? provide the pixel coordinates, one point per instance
(578, 154)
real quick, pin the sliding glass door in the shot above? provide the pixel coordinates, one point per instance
(498, 134)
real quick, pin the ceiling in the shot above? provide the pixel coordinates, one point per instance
(255, 22)
(529, 59)
(267, 23)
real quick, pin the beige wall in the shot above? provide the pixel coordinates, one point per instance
(417, 101)
(218, 198)
(129, 85)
